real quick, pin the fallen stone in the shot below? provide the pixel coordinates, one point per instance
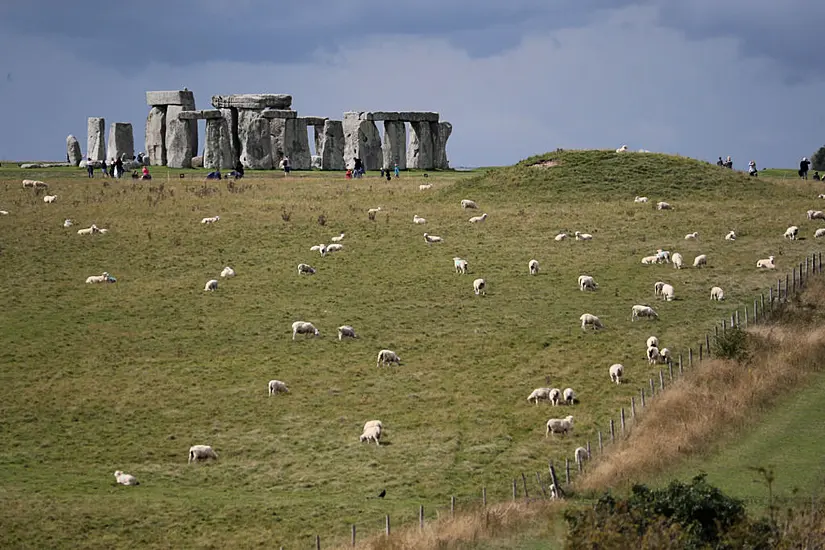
(175, 97)
(440, 136)
(95, 142)
(395, 145)
(73, 151)
(197, 162)
(316, 162)
(331, 149)
(180, 147)
(252, 101)
(156, 136)
(279, 113)
(254, 138)
(29, 165)
(420, 150)
(121, 141)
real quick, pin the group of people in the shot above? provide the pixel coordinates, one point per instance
(358, 170)
(117, 168)
(804, 167)
(237, 173)
(727, 163)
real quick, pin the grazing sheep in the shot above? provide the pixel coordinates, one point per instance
(657, 287)
(649, 260)
(126, 479)
(581, 455)
(67, 222)
(816, 215)
(372, 212)
(700, 260)
(692, 236)
(677, 261)
(334, 247)
(616, 373)
(653, 342)
(88, 230)
(322, 248)
(201, 452)
(652, 355)
(372, 424)
(339, 238)
(731, 236)
(460, 265)
(425, 186)
(638, 312)
(559, 425)
(480, 287)
(477, 219)
(717, 293)
(466, 203)
(4, 212)
(555, 396)
(213, 219)
(583, 236)
(386, 357)
(98, 278)
(623, 149)
(821, 196)
(640, 199)
(533, 266)
(667, 292)
(432, 238)
(663, 206)
(539, 394)
(663, 256)
(766, 263)
(791, 232)
(587, 282)
(28, 183)
(48, 199)
(228, 272)
(211, 284)
(819, 233)
(373, 433)
(665, 357)
(346, 331)
(569, 396)
(560, 237)
(592, 320)
(302, 327)
(276, 386)
(419, 220)
(304, 269)
(35, 183)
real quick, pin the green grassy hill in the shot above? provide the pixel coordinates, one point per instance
(128, 376)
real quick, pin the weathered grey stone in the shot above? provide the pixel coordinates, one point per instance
(95, 142)
(296, 144)
(231, 118)
(279, 113)
(252, 101)
(156, 136)
(395, 144)
(420, 150)
(441, 134)
(180, 147)
(331, 149)
(254, 138)
(29, 165)
(394, 116)
(73, 153)
(121, 141)
(218, 150)
(418, 116)
(277, 135)
(200, 115)
(174, 97)
(318, 134)
(315, 120)
(362, 140)
(197, 162)
(316, 162)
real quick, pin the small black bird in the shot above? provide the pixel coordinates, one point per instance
(382, 493)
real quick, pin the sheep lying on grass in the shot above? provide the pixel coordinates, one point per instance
(650, 260)
(640, 199)
(213, 219)
(692, 236)
(276, 386)
(425, 186)
(48, 199)
(583, 236)
(477, 219)
(322, 248)
(663, 206)
(335, 247)
(559, 425)
(816, 215)
(819, 233)
(98, 278)
(201, 452)
(88, 231)
(766, 263)
(432, 238)
(125, 479)
(339, 238)
(302, 327)
(419, 220)
(305, 269)
(731, 236)
(386, 357)
(228, 272)
(560, 237)
(467, 203)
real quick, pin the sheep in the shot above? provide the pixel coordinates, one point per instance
(533, 267)
(560, 237)
(373, 433)
(569, 396)
(201, 452)
(322, 248)
(419, 220)
(228, 272)
(4, 212)
(539, 394)
(125, 479)
(346, 331)
(432, 238)
(583, 236)
(638, 312)
(662, 256)
(213, 219)
(588, 319)
(653, 342)
(717, 293)
(623, 149)
(372, 212)
(386, 357)
(211, 284)
(657, 287)
(587, 282)
(467, 203)
(28, 183)
(559, 425)
(98, 278)
(373, 424)
(677, 260)
(88, 230)
(791, 232)
(334, 247)
(640, 199)
(102, 230)
(700, 260)
(819, 233)
(731, 236)
(665, 357)
(480, 287)
(766, 263)
(667, 293)
(649, 260)
(555, 396)
(302, 327)
(425, 186)
(692, 236)
(652, 355)
(35, 183)
(48, 199)
(67, 222)
(276, 386)
(816, 215)
(460, 265)
(478, 219)
(663, 206)
(616, 373)
(304, 269)
(821, 196)
(581, 455)
(339, 238)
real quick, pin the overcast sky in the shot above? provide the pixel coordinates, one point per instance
(702, 78)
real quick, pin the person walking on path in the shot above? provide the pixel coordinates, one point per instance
(804, 164)
(103, 168)
(90, 167)
(396, 170)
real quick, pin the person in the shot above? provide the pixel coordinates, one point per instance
(90, 167)
(286, 166)
(118, 168)
(359, 168)
(135, 175)
(103, 168)
(146, 175)
(396, 170)
(214, 175)
(752, 168)
(728, 163)
(804, 164)
(388, 174)
(348, 175)
(816, 176)
(720, 162)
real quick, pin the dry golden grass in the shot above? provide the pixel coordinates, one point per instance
(719, 398)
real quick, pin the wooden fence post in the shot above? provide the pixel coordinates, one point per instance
(762, 303)
(421, 517)
(567, 471)
(353, 534)
(690, 358)
(612, 431)
(524, 482)
(724, 326)
(514, 489)
(746, 316)
(642, 395)
(670, 370)
(452, 500)
(755, 315)
(652, 387)
(601, 447)
(737, 317)
(621, 416)
(787, 278)
(680, 365)
(632, 407)
(661, 380)
(793, 281)
(700, 353)
(387, 530)
(317, 542)
(557, 490)
(707, 343)
(588, 449)
(484, 496)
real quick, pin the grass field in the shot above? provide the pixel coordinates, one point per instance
(128, 376)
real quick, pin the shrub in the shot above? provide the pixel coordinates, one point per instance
(731, 344)
(818, 159)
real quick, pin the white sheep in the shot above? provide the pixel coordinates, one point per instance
(657, 287)
(623, 149)
(201, 452)
(692, 236)
(48, 199)
(302, 327)
(663, 206)
(791, 232)
(211, 284)
(432, 238)
(581, 455)
(639, 311)
(663, 256)
(649, 260)
(467, 203)
(592, 320)
(213, 219)
(419, 220)
(700, 260)
(425, 186)
(559, 425)
(335, 247)
(821, 196)
(533, 267)
(372, 212)
(539, 394)
(460, 265)
(126, 479)
(305, 269)
(560, 237)
(322, 248)
(102, 230)
(652, 354)
(480, 287)
(6, 213)
(374, 424)
(665, 356)
(586, 282)
(555, 396)
(98, 278)
(653, 341)
(583, 236)
(569, 396)
(677, 261)
(816, 215)
(668, 293)
(28, 183)
(717, 293)
(386, 357)
(373, 433)
(339, 238)
(731, 236)
(346, 331)
(228, 272)
(67, 223)
(88, 230)
(819, 233)
(766, 263)
(640, 199)
(616, 373)
(276, 386)
(478, 219)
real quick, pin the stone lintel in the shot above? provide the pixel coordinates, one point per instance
(174, 97)
(279, 113)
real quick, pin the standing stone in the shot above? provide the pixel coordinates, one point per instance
(420, 151)
(331, 149)
(296, 143)
(231, 118)
(441, 134)
(277, 135)
(95, 142)
(395, 144)
(362, 140)
(121, 141)
(218, 151)
(319, 137)
(255, 142)
(73, 151)
(351, 123)
(156, 136)
(179, 145)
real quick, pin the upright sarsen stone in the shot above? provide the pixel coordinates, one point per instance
(156, 136)
(218, 150)
(395, 144)
(73, 154)
(420, 151)
(362, 140)
(180, 147)
(121, 141)
(95, 142)
(254, 138)
(440, 136)
(296, 144)
(331, 148)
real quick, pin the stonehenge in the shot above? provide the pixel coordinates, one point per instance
(95, 142)
(73, 154)
(121, 141)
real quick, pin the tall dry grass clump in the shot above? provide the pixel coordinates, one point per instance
(719, 398)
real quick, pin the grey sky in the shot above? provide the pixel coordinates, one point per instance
(696, 77)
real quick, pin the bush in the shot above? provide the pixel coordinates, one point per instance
(818, 159)
(731, 344)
